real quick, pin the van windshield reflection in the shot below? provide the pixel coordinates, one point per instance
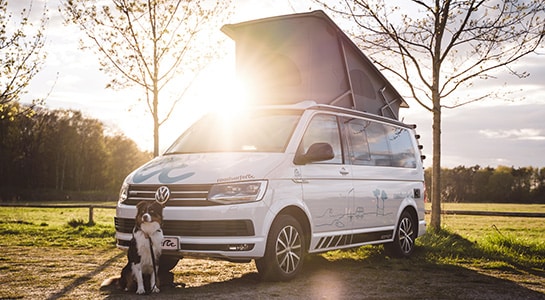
(255, 131)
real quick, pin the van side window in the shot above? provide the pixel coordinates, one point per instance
(324, 129)
(357, 140)
(378, 144)
(375, 144)
(402, 148)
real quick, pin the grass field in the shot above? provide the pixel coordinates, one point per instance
(505, 207)
(475, 228)
(512, 248)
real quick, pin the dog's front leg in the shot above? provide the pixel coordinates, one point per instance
(153, 282)
(137, 272)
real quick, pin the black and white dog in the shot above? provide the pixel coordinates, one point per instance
(145, 249)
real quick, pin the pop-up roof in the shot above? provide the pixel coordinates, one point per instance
(291, 58)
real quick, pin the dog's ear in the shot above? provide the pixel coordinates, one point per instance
(140, 204)
(158, 206)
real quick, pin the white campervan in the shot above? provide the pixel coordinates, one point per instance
(274, 183)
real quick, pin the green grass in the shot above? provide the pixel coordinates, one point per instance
(477, 241)
(507, 207)
(55, 216)
(502, 243)
(484, 242)
(493, 251)
(56, 227)
(56, 252)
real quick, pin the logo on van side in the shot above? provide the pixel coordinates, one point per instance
(236, 178)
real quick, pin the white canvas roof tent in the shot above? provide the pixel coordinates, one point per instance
(291, 58)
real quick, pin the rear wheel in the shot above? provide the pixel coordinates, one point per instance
(284, 252)
(405, 236)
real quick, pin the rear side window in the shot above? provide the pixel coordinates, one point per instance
(359, 153)
(401, 147)
(376, 144)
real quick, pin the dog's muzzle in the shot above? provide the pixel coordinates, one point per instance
(146, 217)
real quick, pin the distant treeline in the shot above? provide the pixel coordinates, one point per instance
(61, 150)
(47, 153)
(496, 185)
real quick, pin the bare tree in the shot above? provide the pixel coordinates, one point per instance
(437, 48)
(150, 44)
(21, 55)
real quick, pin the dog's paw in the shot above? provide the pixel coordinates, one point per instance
(140, 291)
(155, 290)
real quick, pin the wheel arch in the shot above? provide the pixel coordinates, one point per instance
(301, 217)
(411, 210)
(409, 205)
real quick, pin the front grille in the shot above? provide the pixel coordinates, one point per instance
(195, 228)
(180, 195)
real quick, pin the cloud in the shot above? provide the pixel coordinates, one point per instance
(488, 135)
(518, 134)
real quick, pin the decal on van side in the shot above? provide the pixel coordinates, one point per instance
(330, 218)
(163, 168)
(381, 197)
(338, 218)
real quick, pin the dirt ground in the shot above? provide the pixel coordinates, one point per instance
(50, 273)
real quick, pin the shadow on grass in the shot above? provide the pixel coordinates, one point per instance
(444, 266)
(496, 251)
(350, 279)
(86, 277)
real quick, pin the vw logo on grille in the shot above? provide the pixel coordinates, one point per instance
(162, 194)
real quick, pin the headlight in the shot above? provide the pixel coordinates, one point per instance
(124, 193)
(238, 192)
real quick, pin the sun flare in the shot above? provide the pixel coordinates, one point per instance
(217, 90)
(228, 97)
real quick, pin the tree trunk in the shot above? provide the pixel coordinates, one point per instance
(436, 133)
(436, 171)
(63, 172)
(440, 23)
(155, 78)
(155, 123)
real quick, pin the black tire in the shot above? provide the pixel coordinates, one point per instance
(404, 237)
(285, 250)
(167, 263)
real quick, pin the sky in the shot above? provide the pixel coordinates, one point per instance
(508, 131)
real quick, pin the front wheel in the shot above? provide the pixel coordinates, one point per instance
(284, 252)
(405, 235)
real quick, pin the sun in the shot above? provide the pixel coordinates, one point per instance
(217, 89)
(229, 96)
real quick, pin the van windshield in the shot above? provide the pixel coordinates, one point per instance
(254, 131)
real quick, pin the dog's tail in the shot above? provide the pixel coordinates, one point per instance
(110, 282)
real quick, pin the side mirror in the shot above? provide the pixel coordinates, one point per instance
(316, 152)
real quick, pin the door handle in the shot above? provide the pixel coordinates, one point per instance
(343, 171)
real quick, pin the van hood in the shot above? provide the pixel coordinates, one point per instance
(206, 168)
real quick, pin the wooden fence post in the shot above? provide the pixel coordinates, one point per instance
(91, 221)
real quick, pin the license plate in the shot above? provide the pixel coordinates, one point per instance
(170, 243)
